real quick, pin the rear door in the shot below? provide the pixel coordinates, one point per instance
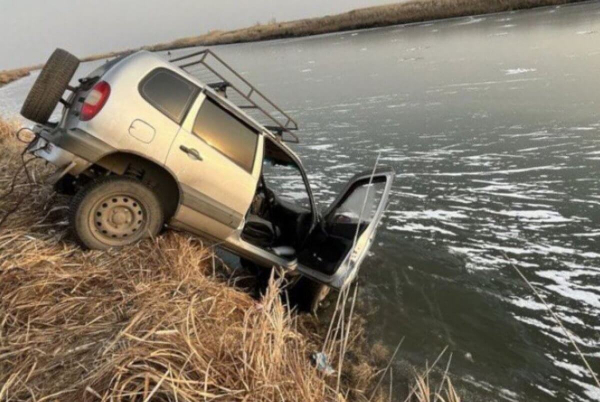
(335, 249)
(216, 158)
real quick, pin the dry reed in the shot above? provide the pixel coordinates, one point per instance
(370, 17)
(8, 76)
(156, 321)
(160, 320)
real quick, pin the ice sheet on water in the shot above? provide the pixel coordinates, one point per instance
(540, 216)
(515, 71)
(320, 147)
(471, 20)
(439, 214)
(417, 227)
(499, 172)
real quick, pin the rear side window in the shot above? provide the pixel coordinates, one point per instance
(224, 132)
(168, 92)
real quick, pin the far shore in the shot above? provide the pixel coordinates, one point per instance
(372, 17)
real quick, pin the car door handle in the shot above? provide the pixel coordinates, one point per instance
(192, 153)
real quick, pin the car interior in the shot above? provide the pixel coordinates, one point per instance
(283, 225)
(333, 239)
(274, 222)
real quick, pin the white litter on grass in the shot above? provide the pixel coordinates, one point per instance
(515, 71)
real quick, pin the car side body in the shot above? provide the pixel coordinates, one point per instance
(203, 157)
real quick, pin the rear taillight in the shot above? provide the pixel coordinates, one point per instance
(95, 101)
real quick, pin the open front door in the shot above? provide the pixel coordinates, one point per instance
(334, 251)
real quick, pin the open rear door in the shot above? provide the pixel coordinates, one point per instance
(334, 251)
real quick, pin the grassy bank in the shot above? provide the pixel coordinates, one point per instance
(8, 76)
(379, 16)
(162, 320)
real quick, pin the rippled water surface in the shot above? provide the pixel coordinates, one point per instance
(493, 126)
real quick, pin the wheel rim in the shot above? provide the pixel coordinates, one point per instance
(118, 219)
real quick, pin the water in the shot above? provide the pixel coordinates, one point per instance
(493, 126)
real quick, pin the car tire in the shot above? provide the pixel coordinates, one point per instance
(49, 86)
(115, 211)
(306, 294)
(67, 185)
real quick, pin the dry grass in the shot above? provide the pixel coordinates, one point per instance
(162, 320)
(379, 16)
(7, 129)
(8, 76)
(425, 391)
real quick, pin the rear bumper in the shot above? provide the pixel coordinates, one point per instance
(64, 160)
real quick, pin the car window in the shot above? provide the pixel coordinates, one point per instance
(287, 183)
(169, 93)
(226, 133)
(360, 205)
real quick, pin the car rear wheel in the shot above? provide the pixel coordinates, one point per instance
(115, 211)
(49, 86)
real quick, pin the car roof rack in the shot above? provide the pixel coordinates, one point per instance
(218, 75)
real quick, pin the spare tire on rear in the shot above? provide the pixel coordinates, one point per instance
(49, 86)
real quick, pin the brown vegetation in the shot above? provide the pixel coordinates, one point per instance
(379, 16)
(162, 320)
(8, 76)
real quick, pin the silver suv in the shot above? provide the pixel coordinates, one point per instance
(142, 142)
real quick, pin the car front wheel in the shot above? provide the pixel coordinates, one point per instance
(307, 294)
(115, 211)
